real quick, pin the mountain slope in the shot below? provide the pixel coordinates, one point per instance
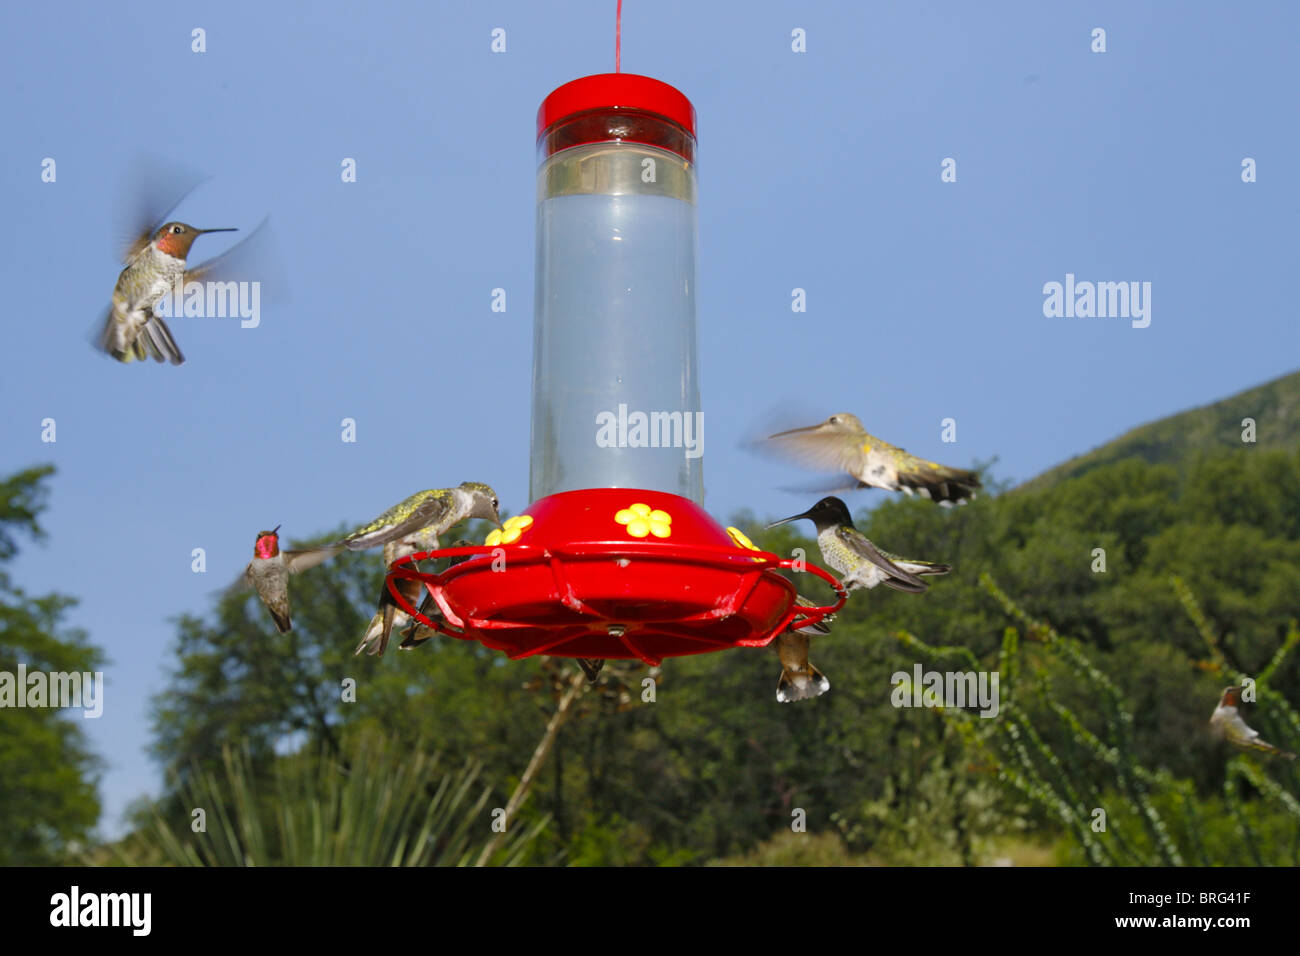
(1275, 407)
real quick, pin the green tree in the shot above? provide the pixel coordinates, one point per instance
(49, 798)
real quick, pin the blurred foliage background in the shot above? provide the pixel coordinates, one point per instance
(1108, 679)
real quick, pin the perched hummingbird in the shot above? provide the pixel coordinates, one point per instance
(437, 509)
(1226, 722)
(410, 526)
(268, 573)
(841, 444)
(799, 679)
(389, 614)
(863, 565)
(155, 263)
(416, 633)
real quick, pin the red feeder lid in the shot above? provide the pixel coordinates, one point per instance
(615, 91)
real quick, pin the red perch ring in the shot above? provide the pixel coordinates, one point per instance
(612, 573)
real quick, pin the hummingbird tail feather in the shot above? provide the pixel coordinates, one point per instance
(591, 667)
(906, 586)
(375, 640)
(1265, 747)
(160, 342)
(411, 637)
(940, 483)
(801, 687)
(113, 340)
(922, 567)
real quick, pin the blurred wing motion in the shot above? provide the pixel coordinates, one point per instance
(842, 444)
(308, 558)
(151, 192)
(252, 259)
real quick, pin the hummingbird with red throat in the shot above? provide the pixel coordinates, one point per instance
(268, 572)
(155, 265)
(1226, 722)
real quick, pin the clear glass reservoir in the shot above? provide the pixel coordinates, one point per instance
(616, 400)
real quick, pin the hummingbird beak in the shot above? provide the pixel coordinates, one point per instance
(796, 431)
(806, 514)
(275, 530)
(204, 232)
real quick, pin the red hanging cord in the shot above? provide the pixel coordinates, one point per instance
(618, 39)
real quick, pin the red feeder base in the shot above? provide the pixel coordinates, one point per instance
(612, 573)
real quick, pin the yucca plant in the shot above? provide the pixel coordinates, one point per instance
(1104, 770)
(371, 806)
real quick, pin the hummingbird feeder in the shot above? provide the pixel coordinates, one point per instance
(615, 557)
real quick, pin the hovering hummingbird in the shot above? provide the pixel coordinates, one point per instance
(408, 527)
(841, 444)
(863, 565)
(155, 264)
(1226, 722)
(268, 573)
(799, 679)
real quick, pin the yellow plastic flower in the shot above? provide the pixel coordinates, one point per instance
(642, 520)
(509, 532)
(742, 539)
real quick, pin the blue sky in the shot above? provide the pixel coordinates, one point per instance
(818, 170)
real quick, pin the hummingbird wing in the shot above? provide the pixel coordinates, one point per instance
(857, 542)
(833, 486)
(241, 584)
(823, 449)
(252, 259)
(308, 558)
(151, 192)
(875, 463)
(421, 510)
(116, 337)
